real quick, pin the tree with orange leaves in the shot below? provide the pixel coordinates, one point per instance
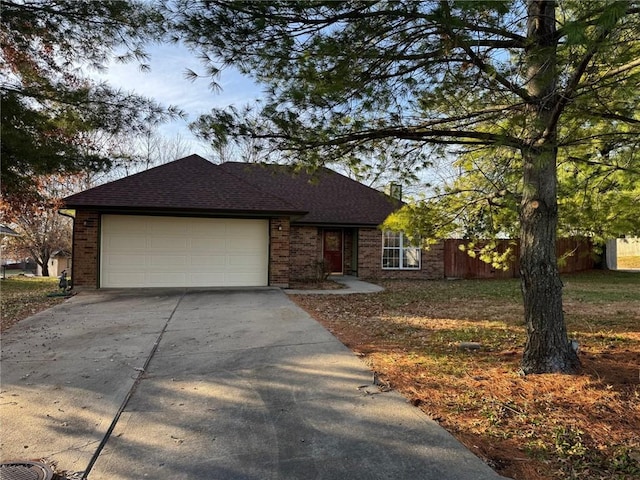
(42, 230)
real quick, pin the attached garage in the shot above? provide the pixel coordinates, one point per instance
(158, 251)
(192, 223)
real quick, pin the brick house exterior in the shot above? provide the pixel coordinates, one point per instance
(310, 219)
(86, 243)
(306, 248)
(370, 243)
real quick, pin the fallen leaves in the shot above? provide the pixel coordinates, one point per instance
(25, 296)
(527, 428)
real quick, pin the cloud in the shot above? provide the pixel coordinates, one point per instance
(166, 82)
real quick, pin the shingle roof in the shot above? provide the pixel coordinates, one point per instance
(327, 196)
(189, 184)
(193, 184)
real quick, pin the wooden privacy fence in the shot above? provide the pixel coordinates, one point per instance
(574, 255)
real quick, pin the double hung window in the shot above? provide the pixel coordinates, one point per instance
(398, 253)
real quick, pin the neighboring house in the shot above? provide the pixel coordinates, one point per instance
(5, 232)
(59, 261)
(191, 223)
(623, 253)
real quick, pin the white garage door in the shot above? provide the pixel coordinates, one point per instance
(141, 251)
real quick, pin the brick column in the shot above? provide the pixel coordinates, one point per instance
(86, 249)
(369, 253)
(279, 244)
(306, 250)
(433, 261)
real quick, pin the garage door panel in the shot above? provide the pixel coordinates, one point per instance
(240, 245)
(208, 244)
(240, 227)
(139, 251)
(211, 244)
(164, 279)
(126, 262)
(129, 225)
(166, 263)
(238, 279)
(202, 278)
(164, 243)
(125, 278)
(126, 243)
(199, 262)
(204, 229)
(167, 225)
(245, 260)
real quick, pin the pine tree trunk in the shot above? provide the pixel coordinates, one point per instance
(547, 349)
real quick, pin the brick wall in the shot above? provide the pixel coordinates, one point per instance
(369, 252)
(279, 255)
(433, 261)
(348, 251)
(292, 253)
(370, 259)
(86, 241)
(306, 249)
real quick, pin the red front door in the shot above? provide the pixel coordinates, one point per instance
(333, 249)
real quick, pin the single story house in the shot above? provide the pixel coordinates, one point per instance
(192, 223)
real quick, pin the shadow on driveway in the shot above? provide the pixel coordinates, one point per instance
(208, 385)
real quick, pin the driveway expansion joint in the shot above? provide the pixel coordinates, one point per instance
(141, 374)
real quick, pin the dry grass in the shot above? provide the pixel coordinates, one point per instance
(24, 296)
(626, 263)
(585, 426)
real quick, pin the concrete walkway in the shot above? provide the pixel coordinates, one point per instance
(207, 385)
(351, 285)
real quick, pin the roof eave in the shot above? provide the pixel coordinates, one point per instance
(144, 210)
(337, 224)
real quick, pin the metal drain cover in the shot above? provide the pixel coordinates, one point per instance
(25, 471)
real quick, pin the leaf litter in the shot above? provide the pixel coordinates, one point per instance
(535, 427)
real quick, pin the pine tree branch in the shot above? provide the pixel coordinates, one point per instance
(572, 86)
(603, 164)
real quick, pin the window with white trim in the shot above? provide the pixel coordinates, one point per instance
(398, 253)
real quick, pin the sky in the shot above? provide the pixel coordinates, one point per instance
(166, 83)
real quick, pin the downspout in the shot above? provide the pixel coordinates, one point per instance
(66, 212)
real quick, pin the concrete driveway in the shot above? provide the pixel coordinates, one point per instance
(218, 384)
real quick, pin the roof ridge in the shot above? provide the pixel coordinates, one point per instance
(193, 156)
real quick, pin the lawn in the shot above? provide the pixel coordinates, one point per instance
(23, 296)
(585, 426)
